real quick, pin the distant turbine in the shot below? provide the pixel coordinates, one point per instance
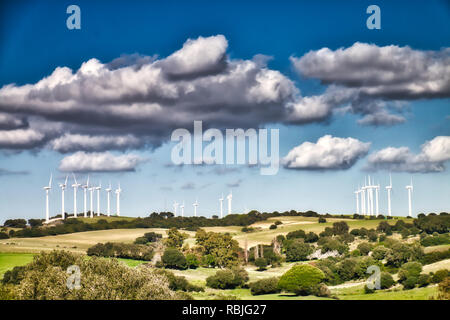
(377, 193)
(389, 189)
(98, 188)
(108, 191)
(75, 186)
(85, 188)
(91, 195)
(175, 208)
(63, 188)
(118, 191)
(47, 190)
(221, 206)
(357, 199)
(229, 198)
(182, 209)
(363, 198)
(410, 189)
(195, 204)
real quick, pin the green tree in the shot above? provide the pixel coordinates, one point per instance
(175, 238)
(297, 250)
(301, 279)
(174, 259)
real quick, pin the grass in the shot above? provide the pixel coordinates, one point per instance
(11, 260)
(245, 294)
(357, 293)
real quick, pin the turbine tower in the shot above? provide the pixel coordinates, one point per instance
(221, 206)
(63, 188)
(229, 198)
(75, 187)
(47, 190)
(98, 188)
(182, 209)
(363, 198)
(118, 191)
(91, 194)
(108, 191)
(357, 200)
(389, 189)
(195, 204)
(410, 189)
(85, 189)
(377, 193)
(175, 208)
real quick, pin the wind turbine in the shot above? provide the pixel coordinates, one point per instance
(195, 204)
(229, 198)
(182, 209)
(410, 189)
(75, 186)
(108, 191)
(377, 193)
(221, 206)
(47, 190)
(98, 188)
(85, 188)
(118, 191)
(357, 199)
(63, 188)
(91, 195)
(175, 208)
(363, 198)
(370, 195)
(389, 189)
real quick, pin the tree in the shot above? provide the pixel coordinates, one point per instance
(440, 275)
(322, 220)
(340, 227)
(264, 286)
(444, 289)
(386, 280)
(297, 250)
(261, 263)
(175, 238)
(301, 279)
(364, 248)
(222, 248)
(379, 252)
(311, 237)
(409, 269)
(227, 279)
(192, 261)
(174, 259)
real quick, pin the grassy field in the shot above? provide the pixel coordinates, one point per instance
(357, 293)
(10, 260)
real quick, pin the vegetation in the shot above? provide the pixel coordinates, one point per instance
(264, 286)
(227, 279)
(301, 279)
(174, 259)
(121, 250)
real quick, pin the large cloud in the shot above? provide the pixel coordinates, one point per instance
(328, 153)
(99, 162)
(432, 158)
(76, 142)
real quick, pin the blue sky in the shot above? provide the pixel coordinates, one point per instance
(34, 41)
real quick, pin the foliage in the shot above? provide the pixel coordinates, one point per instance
(435, 240)
(273, 226)
(423, 280)
(409, 269)
(444, 289)
(433, 223)
(364, 248)
(311, 237)
(172, 258)
(261, 263)
(297, 250)
(331, 244)
(386, 280)
(379, 252)
(121, 250)
(402, 252)
(148, 237)
(15, 223)
(3, 235)
(264, 286)
(227, 279)
(435, 256)
(440, 275)
(322, 220)
(222, 248)
(35, 222)
(340, 227)
(175, 238)
(178, 283)
(410, 282)
(192, 261)
(301, 279)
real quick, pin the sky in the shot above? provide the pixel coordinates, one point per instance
(104, 100)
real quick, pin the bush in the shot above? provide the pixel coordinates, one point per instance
(264, 286)
(444, 289)
(311, 237)
(364, 248)
(192, 261)
(278, 222)
(15, 223)
(423, 280)
(296, 234)
(379, 252)
(322, 220)
(410, 283)
(367, 290)
(4, 235)
(261, 263)
(301, 279)
(340, 227)
(273, 226)
(227, 279)
(330, 244)
(435, 240)
(297, 250)
(174, 259)
(122, 250)
(179, 283)
(440, 275)
(386, 280)
(410, 269)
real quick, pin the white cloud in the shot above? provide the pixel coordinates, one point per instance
(21, 138)
(328, 153)
(99, 162)
(432, 158)
(76, 142)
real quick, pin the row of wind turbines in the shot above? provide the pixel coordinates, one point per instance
(86, 187)
(176, 205)
(366, 194)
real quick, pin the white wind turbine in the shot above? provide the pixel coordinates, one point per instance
(175, 208)
(182, 209)
(229, 198)
(389, 189)
(370, 196)
(85, 188)
(47, 190)
(195, 204)
(357, 199)
(118, 191)
(363, 198)
(410, 189)
(63, 188)
(98, 188)
(108, 191)
(377, 198)
(75, 187)
(91, 198)
(221, 206)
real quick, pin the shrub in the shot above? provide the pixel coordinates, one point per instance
(122, 250)
(329, 244)
(4, 235)
(364, 248)
(174, 259)
(322, 220)
(261, 263)
(444, 289)
(372, 235)
(386, 280)
(340, 227)
(301, 279)
(296, 234)
(410, 269)
(227, 279)
(178, 283)
(273, 226)
(423, 280)
(410, 283)
(14, 276)
(439, 275)
(278, 222)
(264, 286)
(192, 261)
(311, 237)
(379, 252)
(297, 250)
(367, 290)
(435, 240)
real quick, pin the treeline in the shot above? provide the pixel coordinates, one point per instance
(122, 250)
